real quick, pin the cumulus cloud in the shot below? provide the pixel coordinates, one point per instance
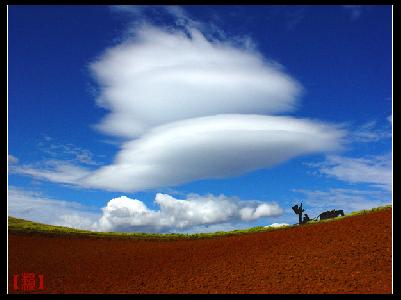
(212, 147)
(374, 170)
(159, 76)
(125, 214)
(196, 213)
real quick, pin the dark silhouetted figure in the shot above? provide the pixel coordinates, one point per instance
(298, 210)
(331, 214)
(306, 218)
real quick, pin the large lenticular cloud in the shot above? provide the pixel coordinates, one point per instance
(191, 109)
(160, 76)
(212, 147)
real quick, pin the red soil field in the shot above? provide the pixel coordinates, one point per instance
(352, 255)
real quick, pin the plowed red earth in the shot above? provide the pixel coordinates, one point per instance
(352, 255)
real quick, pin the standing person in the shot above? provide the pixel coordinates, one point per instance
(301, 210)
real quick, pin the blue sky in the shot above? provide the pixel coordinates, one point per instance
(197, 118)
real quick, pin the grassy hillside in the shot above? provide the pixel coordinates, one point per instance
(16, 225)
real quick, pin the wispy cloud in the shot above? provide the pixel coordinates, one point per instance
(53, 170)
(68, 151)
(12, 159)
(143, 10)
(156, 15)
(349, 200)
(354, 11)
(371, 132)
(35, 206)
(373, 170)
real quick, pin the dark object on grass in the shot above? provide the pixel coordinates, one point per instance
(306, 218)
(331, 214)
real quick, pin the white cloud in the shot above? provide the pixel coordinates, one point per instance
(125, 214)
(12, 159)
(160, 76)
(390, 118)
(375, 170)
(37, 207)
(277, 225)
(212, 147)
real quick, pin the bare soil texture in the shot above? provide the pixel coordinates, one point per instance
(351, 255)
